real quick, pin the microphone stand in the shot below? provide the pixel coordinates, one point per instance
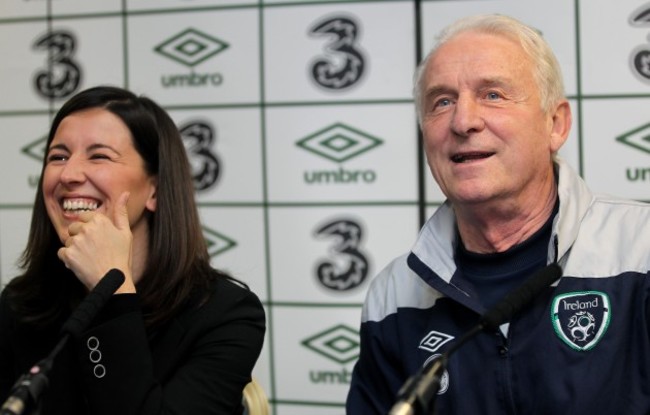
(26, 392)
(418, 395)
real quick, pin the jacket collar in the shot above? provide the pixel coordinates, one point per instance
(436, 243)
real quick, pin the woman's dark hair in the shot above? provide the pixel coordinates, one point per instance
(178, 262)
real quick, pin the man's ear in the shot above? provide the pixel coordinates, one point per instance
(561, 125)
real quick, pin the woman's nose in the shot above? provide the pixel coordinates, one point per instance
(73, 171)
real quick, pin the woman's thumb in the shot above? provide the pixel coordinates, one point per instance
(120, 212)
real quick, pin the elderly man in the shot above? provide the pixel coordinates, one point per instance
(493, 114)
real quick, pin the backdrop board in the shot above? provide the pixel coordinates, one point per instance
(299, 124)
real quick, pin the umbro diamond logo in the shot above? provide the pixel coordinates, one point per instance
(191, 47)
(339, 343)
(339, 142)
(638, 138)
(434, 340)
(217, 242)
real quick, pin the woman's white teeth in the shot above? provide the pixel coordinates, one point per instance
(79, 205)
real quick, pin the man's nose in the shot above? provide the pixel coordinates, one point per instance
(467, 117)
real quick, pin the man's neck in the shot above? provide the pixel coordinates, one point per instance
(496, 227)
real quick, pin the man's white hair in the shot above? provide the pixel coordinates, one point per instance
(546, 69)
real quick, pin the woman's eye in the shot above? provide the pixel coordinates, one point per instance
(56, 157)
(99, 156)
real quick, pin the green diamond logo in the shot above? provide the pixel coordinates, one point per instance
(339, 142)
(339, 343)
(191, 47)
(36, 149)
(638, 138)
(217, 242)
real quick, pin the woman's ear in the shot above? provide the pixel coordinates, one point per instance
(151, 202)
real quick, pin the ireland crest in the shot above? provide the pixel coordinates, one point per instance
(581, 319)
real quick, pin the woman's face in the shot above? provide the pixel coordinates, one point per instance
(90, 162)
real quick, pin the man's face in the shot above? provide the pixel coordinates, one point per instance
(486, 136)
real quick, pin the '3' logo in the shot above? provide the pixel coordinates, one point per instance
(198, 137)
(347, 267)
(62, 76)
(343, 63)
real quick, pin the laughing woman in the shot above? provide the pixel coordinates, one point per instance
(177, 337)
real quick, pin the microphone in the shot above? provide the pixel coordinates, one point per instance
(28, 388)
(417, 395)
(95, 301)
(515, 300)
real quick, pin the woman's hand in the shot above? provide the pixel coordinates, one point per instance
(97, 243)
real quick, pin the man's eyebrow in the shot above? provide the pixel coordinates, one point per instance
(436, 90)
(496, 81)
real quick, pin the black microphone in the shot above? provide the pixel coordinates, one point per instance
(28, 388)
(95, 301)
(515, 300)
(417, 395)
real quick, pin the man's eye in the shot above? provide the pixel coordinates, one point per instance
(444, 102)
(493, 95)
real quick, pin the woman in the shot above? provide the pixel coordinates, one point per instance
(116, 193)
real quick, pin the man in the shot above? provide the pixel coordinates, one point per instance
(493, 114)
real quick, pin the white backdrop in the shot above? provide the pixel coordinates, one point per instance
(308, 181)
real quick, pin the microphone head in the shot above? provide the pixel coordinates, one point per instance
(94, 301)
(514, 301)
